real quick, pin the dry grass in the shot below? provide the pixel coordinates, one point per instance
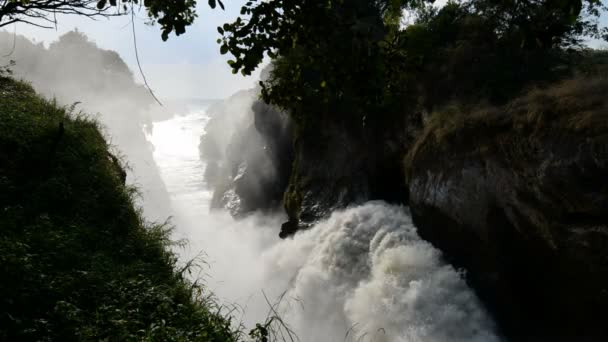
(579, 105)
(574, 106)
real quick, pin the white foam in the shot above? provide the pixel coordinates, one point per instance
(367, 268)
(363, 274)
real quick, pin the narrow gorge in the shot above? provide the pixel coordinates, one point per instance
(393, 171)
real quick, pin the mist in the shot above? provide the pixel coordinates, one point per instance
(362, 274)
(79, 75)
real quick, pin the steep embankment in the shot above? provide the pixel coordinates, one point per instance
(77, 261)
(518, 195)
(74, 70)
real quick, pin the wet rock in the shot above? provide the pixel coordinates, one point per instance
(340, 163)
(248, 152)
(289, 228)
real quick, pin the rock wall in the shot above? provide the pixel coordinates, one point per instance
(248, 151)
(515, 195)
(518, 195)
(338, 163)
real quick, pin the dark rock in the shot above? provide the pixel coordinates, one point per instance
(340, 163)
(248, 152)
(288, 229)
(519, 197)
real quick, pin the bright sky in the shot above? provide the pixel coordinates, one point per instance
(188, 66)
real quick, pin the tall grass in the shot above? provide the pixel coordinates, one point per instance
(77, 260)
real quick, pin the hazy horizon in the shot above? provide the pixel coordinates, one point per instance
(185, 67)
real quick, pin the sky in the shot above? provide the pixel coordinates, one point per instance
(184, 67)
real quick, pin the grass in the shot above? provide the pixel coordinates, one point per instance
(576, 106)
(77, 260)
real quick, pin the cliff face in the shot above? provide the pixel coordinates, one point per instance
(518, 196)
(338, 164)
(248, 151)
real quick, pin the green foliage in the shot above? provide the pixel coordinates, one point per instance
(328, 51)
(543, 23)
(77, 261)
(351, 59)
(458, 54)
(470, 51)
(172, 16)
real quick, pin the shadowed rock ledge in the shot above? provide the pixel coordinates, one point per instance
(518, 195)
(248, 152)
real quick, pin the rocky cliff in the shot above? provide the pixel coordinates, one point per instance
(247, 148)
(339, 163)
(518, 195)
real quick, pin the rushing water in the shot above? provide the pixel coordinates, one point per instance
(361, 275)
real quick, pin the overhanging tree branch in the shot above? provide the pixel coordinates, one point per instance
(171, 16)
(33, 12)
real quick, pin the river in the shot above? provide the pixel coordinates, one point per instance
(361, 275)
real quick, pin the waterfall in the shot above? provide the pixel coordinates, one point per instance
(363, 274)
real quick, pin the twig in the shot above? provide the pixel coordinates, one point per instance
(137, 56)
(352, 328)
(275, 316)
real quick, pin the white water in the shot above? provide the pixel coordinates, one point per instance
(362, 275)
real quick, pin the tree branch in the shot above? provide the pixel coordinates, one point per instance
(35, 10)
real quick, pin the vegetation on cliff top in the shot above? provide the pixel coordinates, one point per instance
(77, 260)
(365, 69)
(353, 60)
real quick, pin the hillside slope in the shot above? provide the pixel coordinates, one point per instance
(74, 69)
(77, 261)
